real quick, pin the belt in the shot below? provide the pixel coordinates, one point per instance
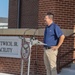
(47, 47)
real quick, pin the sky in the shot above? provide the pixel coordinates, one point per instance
(4, 7)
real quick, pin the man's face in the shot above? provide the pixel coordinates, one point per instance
(47, 19)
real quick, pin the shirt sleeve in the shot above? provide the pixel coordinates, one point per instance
(58, 31)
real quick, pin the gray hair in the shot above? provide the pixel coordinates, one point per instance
(50, 15)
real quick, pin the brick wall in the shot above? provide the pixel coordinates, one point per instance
(63, 11)
(13, 10)
(10, 65)
(28, 13)
(64, 16)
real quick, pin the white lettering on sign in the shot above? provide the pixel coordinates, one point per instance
(10, 46)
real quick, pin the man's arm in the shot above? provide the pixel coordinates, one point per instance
(61, 39)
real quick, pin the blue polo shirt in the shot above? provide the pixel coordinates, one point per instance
(52, 34)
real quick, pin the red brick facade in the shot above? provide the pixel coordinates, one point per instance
(64, 13)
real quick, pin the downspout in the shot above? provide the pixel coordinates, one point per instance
(19, 15)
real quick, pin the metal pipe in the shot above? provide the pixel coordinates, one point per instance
(19, 14)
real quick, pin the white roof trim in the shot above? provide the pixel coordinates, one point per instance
(3, 23)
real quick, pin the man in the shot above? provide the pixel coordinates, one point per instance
(53, 37)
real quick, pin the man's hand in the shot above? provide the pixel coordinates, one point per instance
(54, 47)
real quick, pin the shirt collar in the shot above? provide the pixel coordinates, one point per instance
(50, 24)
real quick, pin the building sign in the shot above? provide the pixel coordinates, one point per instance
(10, 46)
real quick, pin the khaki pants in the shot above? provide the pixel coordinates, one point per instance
(50, 58)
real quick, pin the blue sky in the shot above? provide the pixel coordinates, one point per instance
(4, 8)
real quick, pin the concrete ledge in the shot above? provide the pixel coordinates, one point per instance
(5, 74)
(39, 32)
